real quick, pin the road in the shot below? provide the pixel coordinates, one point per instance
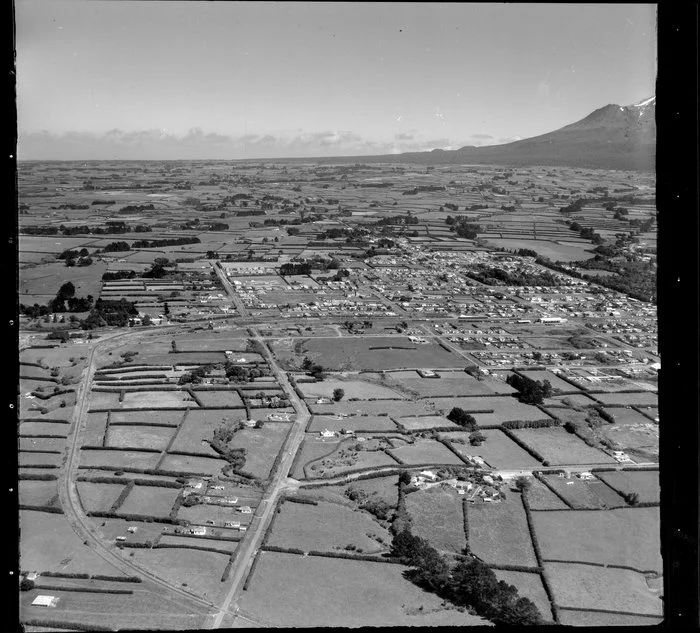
(250, 544)
(68, 496)
(230, 291)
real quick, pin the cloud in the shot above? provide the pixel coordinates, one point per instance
(158, 144)
(486, 137)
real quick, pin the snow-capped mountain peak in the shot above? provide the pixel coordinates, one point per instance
(646, 102)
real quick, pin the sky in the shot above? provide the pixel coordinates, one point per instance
(226, 80)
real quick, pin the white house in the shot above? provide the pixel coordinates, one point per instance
(327, 433)
(45, 601)
(199, 530)
(246, 510)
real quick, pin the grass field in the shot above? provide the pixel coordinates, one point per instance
(529, 586)
(336, 464)
(590, 587)
(498, 532)
(505, 408)
(498, 451)
(351, 423)
(551, 250)
(556, 382)
(452, 383)
(310, 450)
(394, 408)
(426, 452)
(200, 571)
(200, 514)
(437, 516)
(425, 422)
(199, 426)
(48, 543)
(644, 483)
(155, 400)
(574, 399)
(104, 400)
(327, 527)
(558, 446)
(352, 388)
(355, 353)
(147, 608)
(118, 459)
(146, 417)
(616, 537)
(41, 283)
(154, 501)
(95, 429)
(585, 495)
(219, 398)
(542, 498)
(636, 436)
(187, 463)
(175, 539)
(42, 444)
(295, 591)
(156, 437)
(34, 459)
(36, 493)
(44, 428)
(262, 446)
(643, 398)
(98, 497)
(623, 415)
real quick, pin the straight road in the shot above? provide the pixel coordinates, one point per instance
(250, 544)
(228, 287)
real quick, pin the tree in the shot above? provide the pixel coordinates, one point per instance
(146, 320)
(338, 394)
(523, 483)
(632, 498)
(462, 418)
(477, 438)
(405, 478)
(26, 584)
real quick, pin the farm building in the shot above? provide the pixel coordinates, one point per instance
(45, 601)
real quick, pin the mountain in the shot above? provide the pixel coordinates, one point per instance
(612, 137)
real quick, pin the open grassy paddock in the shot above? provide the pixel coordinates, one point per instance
(644, 483)
(262, 446)
(498, 532)
(153, 501)
(614, 537)
(155, 437)
(98, 497)
(498, 451)
(558, 446)
(314, 591)
(425, 451)
(436, 515)
(529, 586)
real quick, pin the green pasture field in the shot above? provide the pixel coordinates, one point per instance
(36, 459)
(505, 408)
(644, 483)
(426, 452)
(351, 423)
(200, 570)
(36, 372)
(41, 444)
(498, 532)
(498, 451)
(149, 500)
(262, 446)
(450, 383)
(201, 357)
(146, 608)
(623, 415)
(552, 250)
(542, 498)
(645, 398)
(311, 450)
(352, 388)
(558, 446)
(327, 527)
(529, 586)
(41, 283)
(36, 492)
(219, 398)
(48, 543)
(118, 459)
(290, 590)
(585, 495)
(53, 406)
(98, 497)
(54, 244)
(186, 463)
(572, 400)
(146, 416)
(199, 426)
(555, 381)
(425, 422)
(385, 487)
(156, 437)
(614, 537)
(436, 515)
(355, 353)
(29, 429)
(155, 399)
(588, 587)
(104, 400)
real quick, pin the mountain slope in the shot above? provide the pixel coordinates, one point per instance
(612, 137)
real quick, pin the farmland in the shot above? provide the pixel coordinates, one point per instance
(498, 533)
(314, 591)
(328, 334)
